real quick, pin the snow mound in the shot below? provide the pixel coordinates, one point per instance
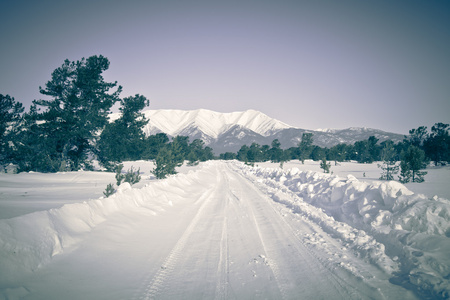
(414, 230)
(32, 240)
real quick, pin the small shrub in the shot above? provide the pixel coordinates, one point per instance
(192, 159)
(325, 165)
(119, 176)
(109, 190)
(132, 176)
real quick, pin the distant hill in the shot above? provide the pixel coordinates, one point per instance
(229, 131)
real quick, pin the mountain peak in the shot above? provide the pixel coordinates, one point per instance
(229, 131)
(210, 123)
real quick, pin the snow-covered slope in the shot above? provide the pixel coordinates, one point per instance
(229, 131)
(227, 230)
(210, 123)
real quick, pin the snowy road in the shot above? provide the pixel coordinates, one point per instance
(215, 235)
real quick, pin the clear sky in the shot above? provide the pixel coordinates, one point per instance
(312, 64)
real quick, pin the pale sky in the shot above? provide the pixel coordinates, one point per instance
(312, 64)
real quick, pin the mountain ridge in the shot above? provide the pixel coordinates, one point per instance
(227, 132)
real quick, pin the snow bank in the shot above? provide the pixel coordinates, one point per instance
(411, 229)
(29, 241)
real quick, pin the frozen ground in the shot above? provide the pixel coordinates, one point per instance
(227, 231)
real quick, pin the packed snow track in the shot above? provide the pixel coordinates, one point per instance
(215, 233)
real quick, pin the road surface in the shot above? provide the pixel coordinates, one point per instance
(220, 237)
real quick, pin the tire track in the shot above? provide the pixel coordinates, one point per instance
(222, 268)
(272, 265)
(154, 287)
(359, 283)
(284, 282)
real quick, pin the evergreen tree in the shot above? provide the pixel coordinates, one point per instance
(119, 176)
(411, 164)
(305, 146)
(110, 190)
(255, 153)
(192, 159)
(153, 144)
(325, 166)
(405, 172)
(71, 121)
(338, 153)
(132, 176)
(373, 148)
(317, 153)
(242, 153)
(366, 151)
(294, 153)
(165, 164)
(180, 149)
(276, 153)
(265, 149)
(123, 139)
(227, 156)
(417, 136)
(36, 149)
(198, 153)
(389, 167)
(10, 112)
(208, 154)
(437, 146)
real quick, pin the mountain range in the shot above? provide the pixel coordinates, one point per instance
(227, 132)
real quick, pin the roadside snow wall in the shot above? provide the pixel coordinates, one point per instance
(30, 241)
(414, 229)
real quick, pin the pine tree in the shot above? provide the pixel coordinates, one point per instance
(255, 153)
(179, 149)
(325, 166)
(165, 164)
(197, 151)
(405, 172)
(153, 144)
(411, 164)
(389, 167)
(366, 151)
(123, 139)
(305, 146)
(119, 176)
(109, 190)
(437, 146)
(192, 159)
(242, 153)
(338, 153)
(10, 112)
(227, 156)
(276, 153)
(78, 110)
(417, 137)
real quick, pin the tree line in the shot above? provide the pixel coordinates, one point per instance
(435, 146)
(69, 129)
(415, 152)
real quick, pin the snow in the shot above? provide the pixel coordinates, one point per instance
(224, 230)
(211, 123)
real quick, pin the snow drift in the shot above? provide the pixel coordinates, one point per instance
(29, 241)
(404, 234)
(413, 228)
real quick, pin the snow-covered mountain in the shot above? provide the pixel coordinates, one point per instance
(210, 123)
(229, 131)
